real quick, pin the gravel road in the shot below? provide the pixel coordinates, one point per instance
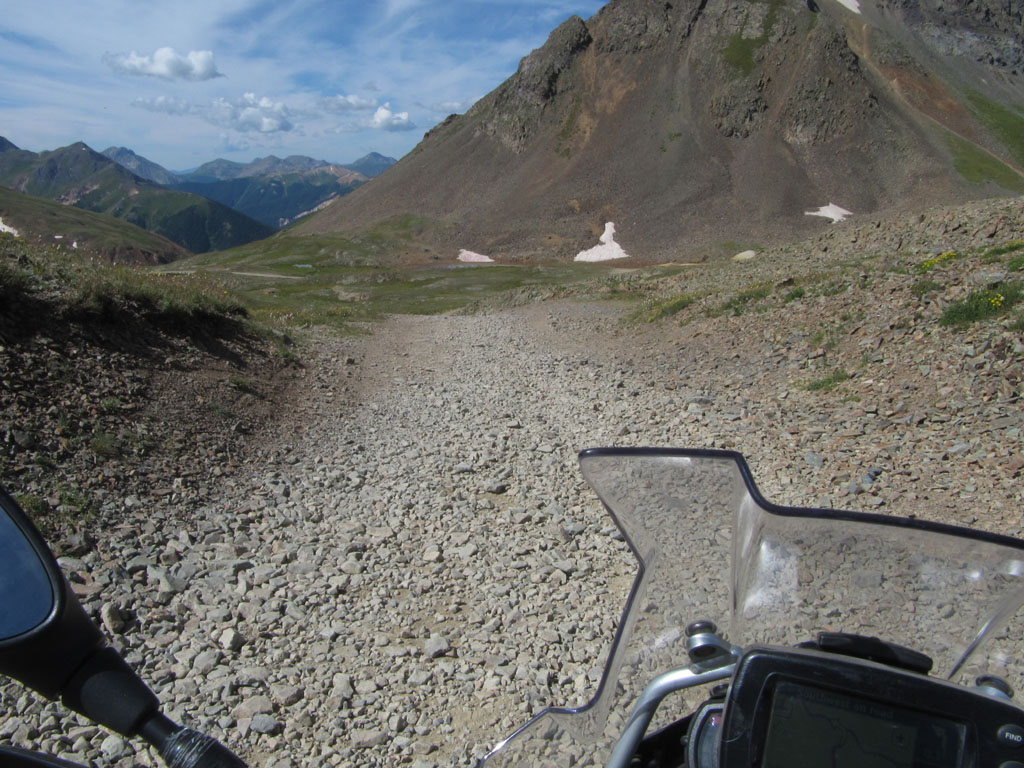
(412, 566)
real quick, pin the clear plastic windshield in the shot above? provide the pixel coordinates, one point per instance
(710, 547)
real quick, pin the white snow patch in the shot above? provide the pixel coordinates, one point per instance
(5, 228)
(607, 250)
(853, 5)
(830, 211)
(745, 256)
(474, 258)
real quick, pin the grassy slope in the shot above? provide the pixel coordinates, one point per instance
(42, 219)
(342, 279)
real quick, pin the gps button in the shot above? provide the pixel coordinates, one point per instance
(1011, 735)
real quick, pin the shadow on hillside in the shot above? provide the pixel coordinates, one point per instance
(138, 328)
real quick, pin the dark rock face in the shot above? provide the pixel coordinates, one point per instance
(516, 106)
(634, 26)
(987, 31)
(739, 108)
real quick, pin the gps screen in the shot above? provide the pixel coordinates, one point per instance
(813, 728)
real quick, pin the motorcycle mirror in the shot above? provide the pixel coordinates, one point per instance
(50, 644)
(28, 586)
(45, 634)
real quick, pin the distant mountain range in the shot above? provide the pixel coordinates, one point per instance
(219, 205)
(76, 175)
(704, 127)
(270, 190)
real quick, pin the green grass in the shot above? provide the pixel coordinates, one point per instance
(983, 305)
(90, 230)
(829, 382)
(925, 286)
(739, 51)
(78, 284)
(345, 280)
(929, 264)
(569, 128)
(1001, 250)
(244, 384)
(105, 445)
(834, 288)
(1006, 123)
(664, 308)
(977, 166)
(794, 295)
(742, 301)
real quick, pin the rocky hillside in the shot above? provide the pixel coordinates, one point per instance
(129, 384)
(704, 127)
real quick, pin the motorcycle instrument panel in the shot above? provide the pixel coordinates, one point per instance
(796, 708)
(833, 728)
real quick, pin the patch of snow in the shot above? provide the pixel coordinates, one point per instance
(830, 211)
(744, 256)
(474, 258)
(607, 250)
(58, 237)
(853, 5)
(11, 230)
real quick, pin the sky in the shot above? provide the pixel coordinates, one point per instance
(188, 81)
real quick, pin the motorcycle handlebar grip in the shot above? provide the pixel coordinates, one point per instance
(107, 690)
(191, 749)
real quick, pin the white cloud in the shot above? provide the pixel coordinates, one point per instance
(165, 63)
(341, 103)
(247, 114)
(386, 120)
(250, 114)
(228, 143)
(165, 105)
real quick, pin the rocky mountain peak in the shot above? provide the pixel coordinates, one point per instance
(512, 112)
(629, 27)
(696, 125)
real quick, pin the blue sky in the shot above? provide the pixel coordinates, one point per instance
(186, 81)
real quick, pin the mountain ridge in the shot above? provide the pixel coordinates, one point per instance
(77, 175)
(705, 126)
(269, 189)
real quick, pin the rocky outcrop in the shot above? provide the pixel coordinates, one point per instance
(512, 113)
(987, 31)
(633, 26)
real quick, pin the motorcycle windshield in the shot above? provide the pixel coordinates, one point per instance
(710, 547)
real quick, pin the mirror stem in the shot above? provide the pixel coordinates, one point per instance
(185, 748)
